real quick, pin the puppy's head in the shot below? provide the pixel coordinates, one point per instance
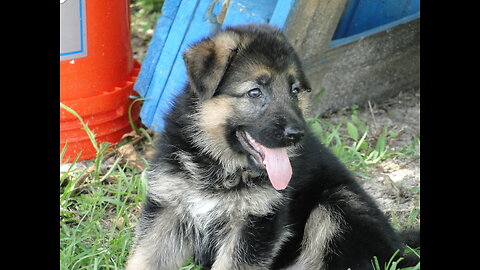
(252, 96)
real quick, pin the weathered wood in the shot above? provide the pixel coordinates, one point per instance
(373, 67)
(312, 24)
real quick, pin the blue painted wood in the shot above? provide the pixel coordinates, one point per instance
(249, 11)
(167, 58)
(199, 28)
(212, 16)
(281, 13)
(162, 28)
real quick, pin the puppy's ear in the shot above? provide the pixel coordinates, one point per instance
(207, 62)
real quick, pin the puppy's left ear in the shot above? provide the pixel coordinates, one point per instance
(207, 62)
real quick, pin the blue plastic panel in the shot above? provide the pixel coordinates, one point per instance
(363, 15)
(348, 39)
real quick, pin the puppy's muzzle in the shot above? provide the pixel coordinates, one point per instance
(293, 134)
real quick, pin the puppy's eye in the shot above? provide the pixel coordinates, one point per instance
(295, 91)
(255, 93)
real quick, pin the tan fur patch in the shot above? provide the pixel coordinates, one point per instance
(260, 70)
(162, 246)
(219, 48)
(210, 133)
(322, 225)
(304, 96)
(304, 103)
(226, 41)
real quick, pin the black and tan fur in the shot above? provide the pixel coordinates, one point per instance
(209, 200)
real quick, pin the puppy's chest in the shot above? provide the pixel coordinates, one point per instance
(231, 206)
(220, 222)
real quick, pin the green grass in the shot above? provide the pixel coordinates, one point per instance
(356, 145)
(394, 260)
(98, 206)
(96, 217)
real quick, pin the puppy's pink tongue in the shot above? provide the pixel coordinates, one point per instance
(278, 166)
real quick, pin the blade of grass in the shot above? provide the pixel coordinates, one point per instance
(375, 263)
(112, 169)
(129, 112)
(85, 127)
(352, 131)
(412, 251)
(360, 142)
(391, 259)
(62, 154)
(382, 140)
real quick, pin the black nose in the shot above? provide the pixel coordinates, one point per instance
(293, 134)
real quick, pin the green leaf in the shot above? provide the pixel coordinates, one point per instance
(391, 260)
(362, 144)
(411, 250)
(382, 140)
(413, 216)
(375, 263)
(352, 131)
(85, 127)
(355, 119)
(129, 112)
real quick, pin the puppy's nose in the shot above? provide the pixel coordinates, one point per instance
(293, 134)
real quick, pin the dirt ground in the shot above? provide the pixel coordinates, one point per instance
(394, 183)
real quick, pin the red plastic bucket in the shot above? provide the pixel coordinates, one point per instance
(97, 85)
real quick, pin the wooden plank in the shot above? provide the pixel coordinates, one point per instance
(311, 26)
(283, 9)
(199, 28)
(372, 67)
(248, 11)
(167, 58)
(162, 28)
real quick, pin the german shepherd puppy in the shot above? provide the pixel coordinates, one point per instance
(239, 181)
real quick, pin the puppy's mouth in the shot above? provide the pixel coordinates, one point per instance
(274, 160)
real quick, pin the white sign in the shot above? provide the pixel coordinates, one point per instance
(73, 29)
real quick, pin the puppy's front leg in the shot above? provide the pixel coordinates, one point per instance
(229, 254)
(250, 244)
(163, 241)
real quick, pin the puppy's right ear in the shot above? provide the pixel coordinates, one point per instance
(207, 62)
